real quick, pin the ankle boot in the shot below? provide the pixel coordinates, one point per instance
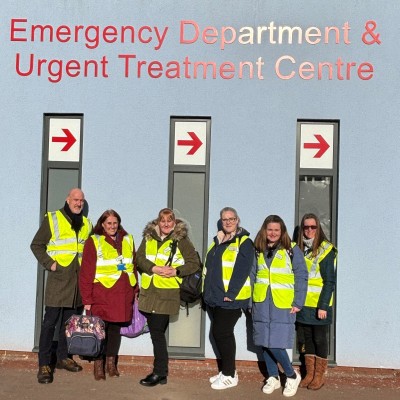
(111, 366)
(98, 370)
(321, 365)
(309, 360)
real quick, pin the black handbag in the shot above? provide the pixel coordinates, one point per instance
(85, 335)
(190, 288)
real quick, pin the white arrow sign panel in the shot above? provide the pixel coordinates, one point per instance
(316, 146)
(64, 139)
(190, 143)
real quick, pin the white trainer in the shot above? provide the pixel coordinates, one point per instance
(215, 377)
(292, 385)
(271, 385)
(224, 382)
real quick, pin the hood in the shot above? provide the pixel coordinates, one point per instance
(151, 230)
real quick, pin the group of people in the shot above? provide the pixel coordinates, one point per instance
(287, 286)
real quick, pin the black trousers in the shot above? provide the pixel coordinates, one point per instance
(50, 319)
(158, 324)
(222, 328)
(113, 339)
(315, 339)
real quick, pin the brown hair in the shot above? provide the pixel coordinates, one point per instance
(319, 234)
(261, 241)
(98, 229)
(166, 212)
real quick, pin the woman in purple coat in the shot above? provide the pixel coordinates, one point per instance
(279, 293)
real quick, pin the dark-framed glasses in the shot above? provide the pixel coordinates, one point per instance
(226, 220)
(312, 227)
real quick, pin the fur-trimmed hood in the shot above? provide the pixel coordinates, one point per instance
(152, 231)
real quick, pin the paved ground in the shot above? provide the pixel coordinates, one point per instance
(18, 381)
(22, 384)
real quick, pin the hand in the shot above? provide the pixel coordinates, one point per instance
(53, 266)
(294, 310)
(227, 299)
(87, 307)
(322, 314)
(165, 271)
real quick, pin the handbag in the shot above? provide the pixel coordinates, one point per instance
(138, 326)
(190, 288)
(85, 335)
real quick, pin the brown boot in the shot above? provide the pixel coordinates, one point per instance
(309, 360)
(321, 365)
(111, 367)
(98, 370)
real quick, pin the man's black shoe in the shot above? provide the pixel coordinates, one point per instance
(153, 380)
(45, 374)
(69, 364)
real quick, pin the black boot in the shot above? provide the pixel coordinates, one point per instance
(153, 380)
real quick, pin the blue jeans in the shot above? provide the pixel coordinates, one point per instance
(272, 357)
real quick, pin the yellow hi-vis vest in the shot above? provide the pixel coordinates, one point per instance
(64, 243)
(107, 272)
(279, 276)
(228, 263)
(315, 282)
(159, 257)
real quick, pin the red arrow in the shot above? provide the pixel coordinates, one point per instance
(195, 143)
(69, 139)
(322, 146)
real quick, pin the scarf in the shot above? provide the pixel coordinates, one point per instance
(308, 243)
(76, 219)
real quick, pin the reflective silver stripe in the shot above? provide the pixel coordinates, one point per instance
(286, 270)
(312, 273)
(55, 225)
(116, 275)
(99, 251)
(60, 242)
(56, 252)
(262, 280)
(103, 262)
(151, 257)
(314, 289)
(162, 256)
(261, 265)
(247, 283)
(178, 261)
(228, 264)
(282, 286)
(128, 239)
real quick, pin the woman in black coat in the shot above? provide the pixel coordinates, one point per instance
(314, 319)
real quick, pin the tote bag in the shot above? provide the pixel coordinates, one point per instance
(138, 325)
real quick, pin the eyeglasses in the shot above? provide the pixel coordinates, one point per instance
(307, 227)
(226, 220)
